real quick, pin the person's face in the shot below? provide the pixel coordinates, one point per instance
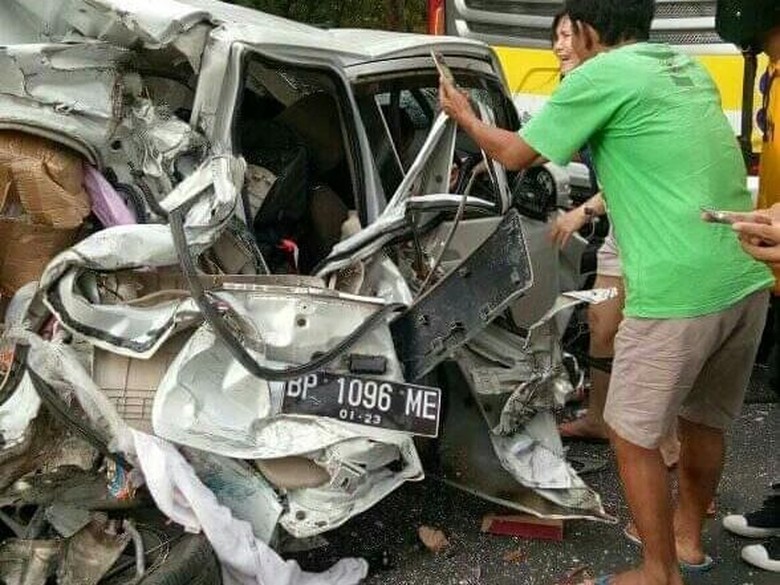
(585, 42)
(562, 47)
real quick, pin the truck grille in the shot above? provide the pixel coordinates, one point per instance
(526, 23)
(550, 9)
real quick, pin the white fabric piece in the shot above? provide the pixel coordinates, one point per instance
(592, 296)
(181, 496)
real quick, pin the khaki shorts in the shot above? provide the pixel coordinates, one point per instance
(695, 368)
(608, 258)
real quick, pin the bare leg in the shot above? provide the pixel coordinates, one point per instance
(603, 321)
(700, 468)
(646, 485)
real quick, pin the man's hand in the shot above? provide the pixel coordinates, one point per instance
(568, 223)
(505, 146)
(760, 240)
(455, 103)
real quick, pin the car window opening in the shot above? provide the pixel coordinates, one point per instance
(299, 187)
(398, 112)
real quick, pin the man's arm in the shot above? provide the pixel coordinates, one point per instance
(506, 147)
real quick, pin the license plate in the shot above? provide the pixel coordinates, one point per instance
(377, 403)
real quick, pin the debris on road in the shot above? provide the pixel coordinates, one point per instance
(575, 576)
(517, 556)
(523, 526)
(433, 539)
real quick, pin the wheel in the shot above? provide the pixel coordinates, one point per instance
(171, 558)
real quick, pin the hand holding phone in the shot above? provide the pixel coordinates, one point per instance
(711, 215)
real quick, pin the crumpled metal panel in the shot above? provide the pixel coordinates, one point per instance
(140, 331)
(83, 96)
(360, 477)
(72, 89)
(207, 400)
(515, 383)
(128, 23)
(518, 471)
(91, 552)
(81, 79)
(21, 407)
(28, 562)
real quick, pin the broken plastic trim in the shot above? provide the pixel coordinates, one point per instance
(221, 330)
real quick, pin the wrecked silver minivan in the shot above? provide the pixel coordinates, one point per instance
(322, 278)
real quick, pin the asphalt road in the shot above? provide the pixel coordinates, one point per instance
(387, 534)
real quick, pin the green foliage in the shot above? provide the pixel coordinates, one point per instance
(407, 15)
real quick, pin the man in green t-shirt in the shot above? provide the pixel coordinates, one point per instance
(695, 302)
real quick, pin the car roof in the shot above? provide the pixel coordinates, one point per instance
(352, 46)
(153, 25)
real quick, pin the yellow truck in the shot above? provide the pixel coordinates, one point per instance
(519, 32)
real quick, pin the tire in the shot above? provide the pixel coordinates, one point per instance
(171, 559)
(191, 562)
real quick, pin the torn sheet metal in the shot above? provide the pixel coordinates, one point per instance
(67, 519)
(514, 378)
(59, 366)
(561, 311)
(28, 562)
(18, 412)
(516, 383)
(466, 458)
(69, 93)
(85, 95)
(92, 552)
(535, 457)
(126, 23)
(83, 79)
(21, 406)
(513, 383)
(182, 497)
(363, 471)
(140, 331)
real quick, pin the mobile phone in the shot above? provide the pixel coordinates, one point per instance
(731, 217)
(442, 67)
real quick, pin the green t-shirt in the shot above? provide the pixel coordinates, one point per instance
(662, 149)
